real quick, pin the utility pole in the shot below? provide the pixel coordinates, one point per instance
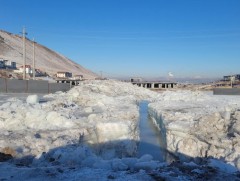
(24, 52)
(232, 80)
(33, 70)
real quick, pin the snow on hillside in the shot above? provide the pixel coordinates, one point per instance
(47, 60)
(89, 133)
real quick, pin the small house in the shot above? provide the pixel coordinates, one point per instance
(28, 69)
(64, 74)
(78, 77)
(136, 79)
(10, 64)
(228, 77)
(7, 64)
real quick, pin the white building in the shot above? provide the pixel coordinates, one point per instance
(228, 77)
(64, 74)
(78, 77)
(28, 69)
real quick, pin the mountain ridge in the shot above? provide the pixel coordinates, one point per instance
(47, 59)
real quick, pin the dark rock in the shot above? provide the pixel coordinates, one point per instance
(51, 159)
(37, 135)
(60, 170)
(111, 177)
(5, 157)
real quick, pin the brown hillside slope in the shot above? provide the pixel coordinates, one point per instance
(46, 59)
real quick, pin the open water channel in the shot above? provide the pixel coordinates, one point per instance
(151, 141)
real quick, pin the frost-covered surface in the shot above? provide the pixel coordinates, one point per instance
(197, 125)
(88, 133)
(98, 112)
(101, 115)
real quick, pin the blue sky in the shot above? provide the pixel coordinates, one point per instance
(147, 38)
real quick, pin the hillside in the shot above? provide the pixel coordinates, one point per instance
(46, 60)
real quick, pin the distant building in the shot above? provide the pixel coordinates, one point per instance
(28, 69)
(64, 74)
(228, 77)
(7, 64)
(78, 77)
(136, 79)
(2, 64)
(10, 64)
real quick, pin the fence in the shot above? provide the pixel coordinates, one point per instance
(31, 86)
(226, 91)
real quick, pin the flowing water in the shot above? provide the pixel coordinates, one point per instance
(151, 141)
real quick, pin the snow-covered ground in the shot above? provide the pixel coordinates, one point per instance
(92, 131)
(198, 125)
